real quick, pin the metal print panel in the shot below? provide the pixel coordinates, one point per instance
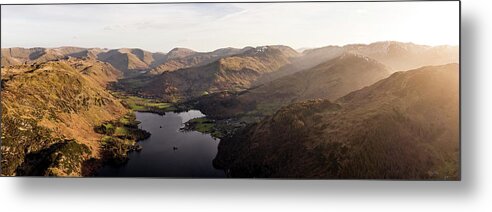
(298, 90)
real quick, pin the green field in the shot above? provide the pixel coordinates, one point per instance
(204, 125)
(145, 104)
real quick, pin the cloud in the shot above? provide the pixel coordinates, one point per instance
(207, 26)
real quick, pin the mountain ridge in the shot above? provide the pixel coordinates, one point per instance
(377, 50)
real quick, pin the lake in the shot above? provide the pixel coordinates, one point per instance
(158, 158)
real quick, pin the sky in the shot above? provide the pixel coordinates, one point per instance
(209, 26)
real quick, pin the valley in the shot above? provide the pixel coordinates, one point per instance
(386, 110)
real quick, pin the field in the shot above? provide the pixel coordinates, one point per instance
(145, 104)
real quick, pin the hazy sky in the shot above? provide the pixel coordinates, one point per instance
(204, 27)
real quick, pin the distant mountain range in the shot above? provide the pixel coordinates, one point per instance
(131, 62)
(396, 55)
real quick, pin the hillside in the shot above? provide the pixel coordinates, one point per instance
(100, 72)
(179, 53)
(403, 127)
(18, 56)
(329, 80)
(53, 107)
(307, 60)
(231, 73)
(132, 62)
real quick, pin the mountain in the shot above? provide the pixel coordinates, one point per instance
(179, 53)
(17, 56)
(308, 59)
(179, 59)
(232, 73)
(131, 62)
(91, 53)
(397, 56)
(403, 127)
(329, 80)
(53, 106)
(100, 72)
(404, 56)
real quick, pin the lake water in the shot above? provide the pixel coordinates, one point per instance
(192, 158)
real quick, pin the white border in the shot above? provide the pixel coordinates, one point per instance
(473, 193)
